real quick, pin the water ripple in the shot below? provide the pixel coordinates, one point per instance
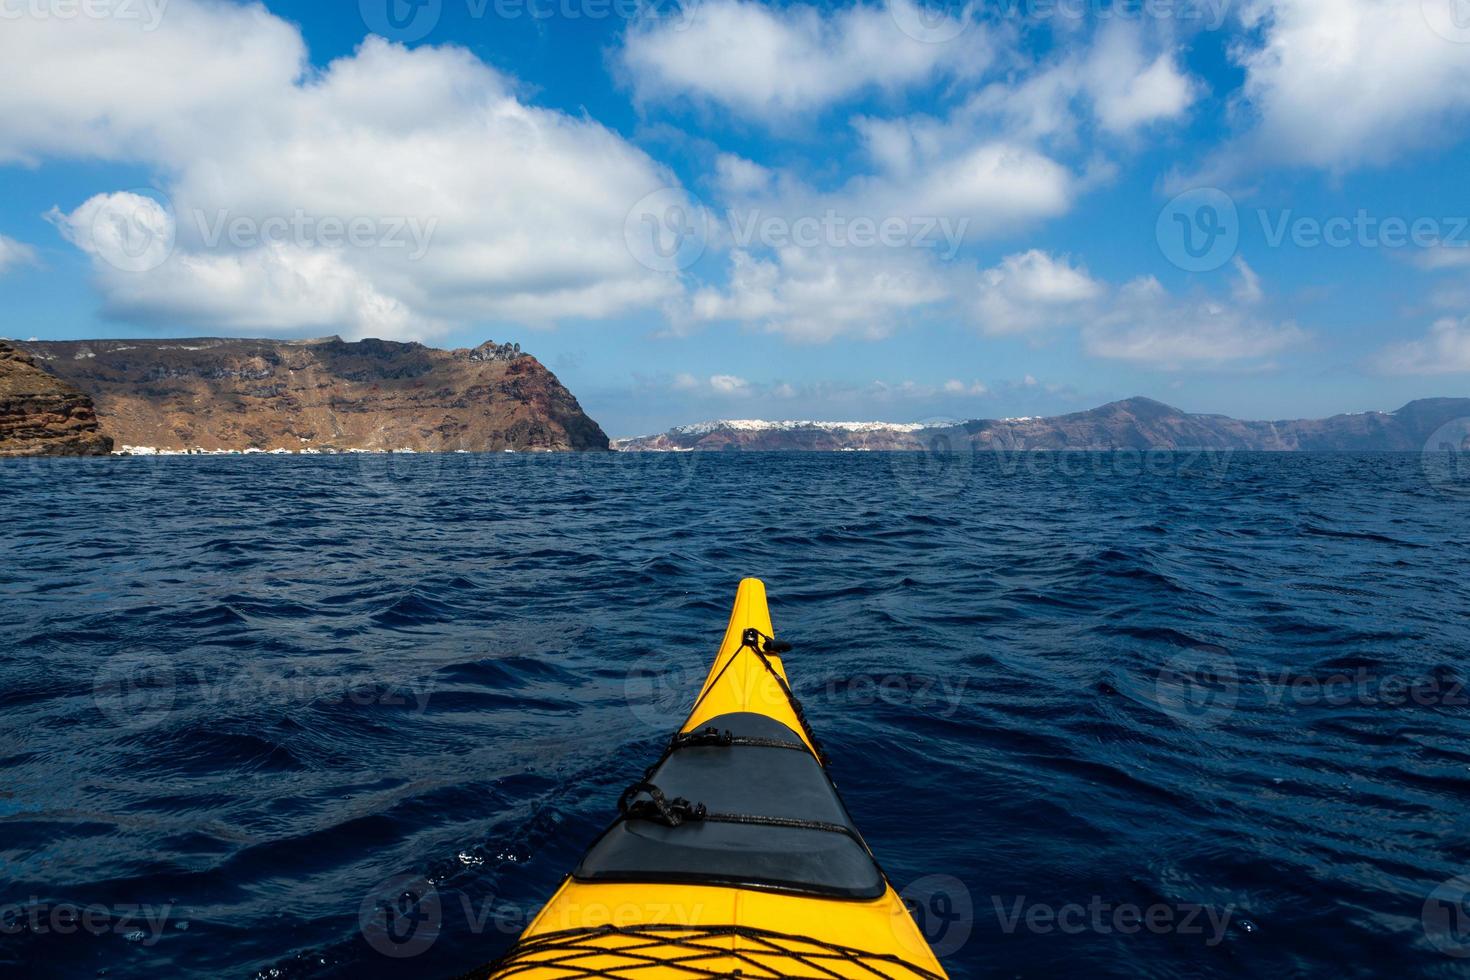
(253, 691)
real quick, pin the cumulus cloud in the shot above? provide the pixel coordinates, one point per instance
(14, 254)
(1140, 321)
(1032, 291)
(951, 181)
(527, 206)
(277, 288)
(1445, 349)
(729, 384)
(1336, 84)
(1122, 82)
(815, 295)
(789, 59)
(1146, 325)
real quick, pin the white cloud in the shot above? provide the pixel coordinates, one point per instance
(1444, 257)
(769, 62)
(1248, 287)
(137, 94)
(1121, 82)
(280, 289)
(1444, 350)
(527, 205)
(1139, 321)
(945, 193)
(736, 175)
(957, 387)
(729, 384)
(1339, 83)
(816, 295)
(1145, 325)
(1032, 291)
(14, 254)
(1128, 94)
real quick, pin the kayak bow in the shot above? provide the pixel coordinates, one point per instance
(733, 855)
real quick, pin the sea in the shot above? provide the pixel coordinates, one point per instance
(1103, 715)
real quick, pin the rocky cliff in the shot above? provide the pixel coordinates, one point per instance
(1136, 423)
(215, 394)
(41, 415)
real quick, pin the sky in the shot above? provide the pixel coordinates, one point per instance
(744, 209)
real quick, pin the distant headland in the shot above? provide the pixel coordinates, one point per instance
(325, 395)
(1135, 423)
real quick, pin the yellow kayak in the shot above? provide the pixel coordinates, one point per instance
(733, 855)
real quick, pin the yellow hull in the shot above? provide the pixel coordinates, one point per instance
(641, 929)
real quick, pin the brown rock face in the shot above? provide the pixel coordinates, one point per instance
(215, 394)
(41, 415)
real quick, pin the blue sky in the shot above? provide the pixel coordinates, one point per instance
(728, 208)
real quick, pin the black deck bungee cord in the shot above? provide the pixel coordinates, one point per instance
(575, 944)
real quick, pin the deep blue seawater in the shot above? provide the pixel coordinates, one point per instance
(1098, 715)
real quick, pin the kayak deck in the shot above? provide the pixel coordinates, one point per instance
(734, 853)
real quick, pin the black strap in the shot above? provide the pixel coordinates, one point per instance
(677, 812)
(714, 738)
(658, 808)
(754, 640)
